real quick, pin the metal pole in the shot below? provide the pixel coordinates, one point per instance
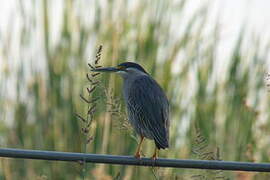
(130, 160)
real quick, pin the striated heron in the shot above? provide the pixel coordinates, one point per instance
(147, 105)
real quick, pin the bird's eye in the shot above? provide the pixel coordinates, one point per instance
(122, 68)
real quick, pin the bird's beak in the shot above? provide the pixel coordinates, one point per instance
(106, 69)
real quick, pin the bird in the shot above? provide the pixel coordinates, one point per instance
(146, 103)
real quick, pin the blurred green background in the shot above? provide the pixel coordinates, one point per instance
(219, 106)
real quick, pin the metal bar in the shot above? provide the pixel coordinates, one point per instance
(130, 160)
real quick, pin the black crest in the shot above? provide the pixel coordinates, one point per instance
(132, 65)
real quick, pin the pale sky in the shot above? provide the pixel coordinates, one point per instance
(233, 14)
(255, 14)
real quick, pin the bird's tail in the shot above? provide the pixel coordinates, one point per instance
(162, 145)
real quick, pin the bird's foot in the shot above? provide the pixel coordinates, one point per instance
(137, 155)
(154, 157)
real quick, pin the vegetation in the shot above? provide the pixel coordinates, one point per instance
(43, 70)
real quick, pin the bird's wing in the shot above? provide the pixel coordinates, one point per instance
(153, 115)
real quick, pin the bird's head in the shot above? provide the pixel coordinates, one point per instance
(124, 69)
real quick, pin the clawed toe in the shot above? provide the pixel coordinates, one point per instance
(137, 156)
(154, 157)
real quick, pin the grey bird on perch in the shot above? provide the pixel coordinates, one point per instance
(147, 105)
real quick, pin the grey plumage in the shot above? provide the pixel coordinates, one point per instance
(147, 104)
(148, 109)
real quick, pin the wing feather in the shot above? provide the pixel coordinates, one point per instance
(152, 109)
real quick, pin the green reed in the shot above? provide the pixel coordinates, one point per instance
(230, 106)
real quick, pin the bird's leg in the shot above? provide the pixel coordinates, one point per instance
(138, 152)
(155, 155)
